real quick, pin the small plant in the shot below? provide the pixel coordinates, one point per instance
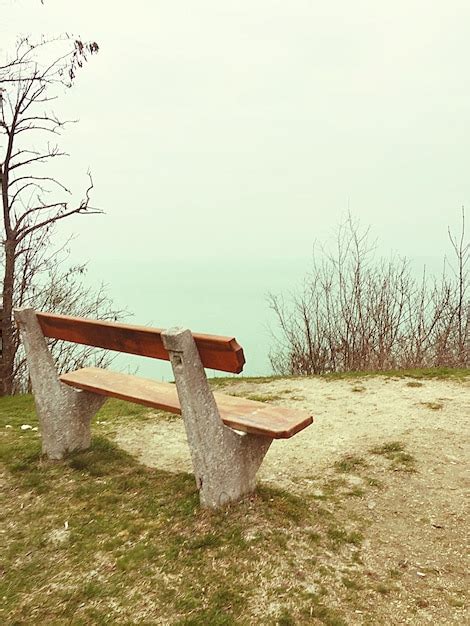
(267, 397)
(285, 618)
(389, 449)
(394, 451)
(351, 583)
(314, 537)
(349, 463)
(339, 536)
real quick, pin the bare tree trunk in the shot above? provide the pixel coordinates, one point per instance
(8, 335)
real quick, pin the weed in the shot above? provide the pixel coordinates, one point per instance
(264, 397)
(339, 536)
(316, 609)
(373, 482)
(355, 492)
(349, 463)
(394, 451)
(383, 589)
(285, 618)
(314, 537)
(351, 583)
(389, 449)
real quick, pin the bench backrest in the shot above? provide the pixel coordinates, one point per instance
(219, 353)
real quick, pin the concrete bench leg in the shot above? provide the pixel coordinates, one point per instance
(64, 413)
(225, 462)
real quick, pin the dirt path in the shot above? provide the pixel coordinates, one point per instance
(350, 416)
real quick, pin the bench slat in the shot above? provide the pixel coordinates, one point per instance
(216, 352)
(238, 413)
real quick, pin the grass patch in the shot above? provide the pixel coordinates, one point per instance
(434, 406)
(414, 383)
(457, 603)
(395, 452)
(266, 397)
(383, 589)
(107, 540)
(350, 463)
(351, 583)
(444, 373)
(219, 382)
(339, 536)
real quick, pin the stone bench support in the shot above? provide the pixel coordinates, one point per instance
(64, 413)
(225, 461)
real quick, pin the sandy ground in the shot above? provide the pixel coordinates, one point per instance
(350, 416)
(414, 558)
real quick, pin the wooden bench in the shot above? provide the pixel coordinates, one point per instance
(228, 436)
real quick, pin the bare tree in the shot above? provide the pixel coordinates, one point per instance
(33, 199)
(358, 312)
(462, 255)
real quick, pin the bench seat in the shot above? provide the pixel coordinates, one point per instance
(238, 413)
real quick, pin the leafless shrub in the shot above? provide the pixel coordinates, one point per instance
(63, 290)
(359, 312)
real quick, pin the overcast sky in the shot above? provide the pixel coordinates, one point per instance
(261, 121)
(244, 129)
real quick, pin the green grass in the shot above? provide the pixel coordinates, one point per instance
(265, 397)
(99, 538)
(18, 410)
(349, 463)
(445, 373)
(440, 373)
(395, 452)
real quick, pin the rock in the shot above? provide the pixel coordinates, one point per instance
(58, 537)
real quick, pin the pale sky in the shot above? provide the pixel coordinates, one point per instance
(243, 130)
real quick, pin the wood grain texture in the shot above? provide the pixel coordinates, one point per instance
(245, 415)
(216, 352)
